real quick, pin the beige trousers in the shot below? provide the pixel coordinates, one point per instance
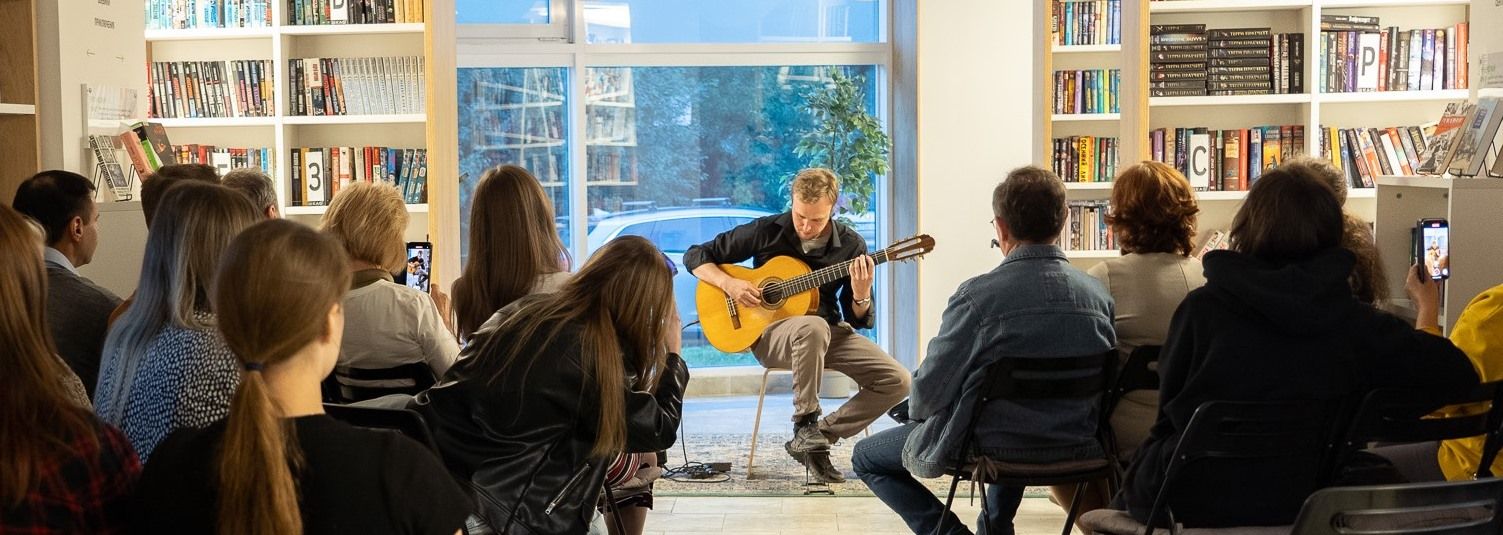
(808, 345)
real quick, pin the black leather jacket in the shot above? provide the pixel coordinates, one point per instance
(522, 442)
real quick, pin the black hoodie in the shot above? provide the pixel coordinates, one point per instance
(1263, 332)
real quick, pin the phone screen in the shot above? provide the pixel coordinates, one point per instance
(1433, 247)
(419, 265)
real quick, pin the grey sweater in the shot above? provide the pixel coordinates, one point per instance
(78, 312)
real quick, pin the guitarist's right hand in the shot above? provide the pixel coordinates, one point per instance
(743, 292)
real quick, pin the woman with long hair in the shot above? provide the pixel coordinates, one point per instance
(1369, 282)
(64, 471)
(277, 464)
(386, 324)
(514, 247)
(560, 385)
(165, 365)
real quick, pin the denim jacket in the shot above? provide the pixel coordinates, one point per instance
(1033, 305)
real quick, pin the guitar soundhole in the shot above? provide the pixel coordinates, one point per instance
(771, 297)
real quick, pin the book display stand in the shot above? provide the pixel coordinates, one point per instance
(109, 172)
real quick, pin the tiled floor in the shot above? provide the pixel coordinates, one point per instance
(817, 515)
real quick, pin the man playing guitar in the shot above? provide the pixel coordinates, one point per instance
(810, 344)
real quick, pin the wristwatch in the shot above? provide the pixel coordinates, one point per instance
(862, 302)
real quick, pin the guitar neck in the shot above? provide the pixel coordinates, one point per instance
(825, 275)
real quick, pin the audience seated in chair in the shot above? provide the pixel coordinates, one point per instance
(1153, 217)
(1369, 283)
(277, 463)
(165, 364)
(550, 394)
(1035, 304)
(386, 324)
(1479, 334)
(152, 189)
(77, 309)
(64, 470)
(256, 186)
(1276, 321)
(515, 249)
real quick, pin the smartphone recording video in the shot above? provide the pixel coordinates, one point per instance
(419, 265)
(1432, 247)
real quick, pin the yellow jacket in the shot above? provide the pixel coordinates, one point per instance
(1479, 333)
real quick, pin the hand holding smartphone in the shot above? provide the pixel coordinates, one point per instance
(1431, 247)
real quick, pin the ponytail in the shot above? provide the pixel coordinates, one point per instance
(258, 495)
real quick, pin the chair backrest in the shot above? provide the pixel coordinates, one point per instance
(359, 384)
(1036, 378)
(1403, 416)
(1291, 439)
(1454, 508)
(406, 422)
(1139, 372)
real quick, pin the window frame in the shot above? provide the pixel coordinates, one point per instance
(560, 17)
(507, 46)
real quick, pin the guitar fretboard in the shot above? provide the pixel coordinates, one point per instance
(822, 276)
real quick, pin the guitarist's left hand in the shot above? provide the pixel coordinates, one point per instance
(862, 270)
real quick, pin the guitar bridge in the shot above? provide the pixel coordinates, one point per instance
(730, 305)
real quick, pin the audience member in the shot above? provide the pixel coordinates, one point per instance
(165, 364)
(562, 384)
(1035, 304)
(156, 185)
(277, 464)
(515, 249)
(1368, 281)
(77, 309)
(64, 470)
(386, 324)
(255, 185)
(1153, 217)
(1276, 321)
(1479, 334)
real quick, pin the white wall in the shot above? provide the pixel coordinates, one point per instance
(975, 113)
(76, 46)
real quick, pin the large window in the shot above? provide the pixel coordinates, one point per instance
(678, 143)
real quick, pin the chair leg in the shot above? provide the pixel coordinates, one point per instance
(751, 459)
(1080, 488)
(949, 500)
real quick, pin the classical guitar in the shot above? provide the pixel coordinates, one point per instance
(789, 288)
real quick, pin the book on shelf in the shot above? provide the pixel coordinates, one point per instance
(1364, 154)
(325, 12)
(1086, 91)
(1228, 61)
(147, 146)
(318, 173)
(1177, 59)
(1086, 228)
(1361, 58)
(1225, 160)
(1438, 143)
(226, 159)
(1475, 142)
(1085, 158)
(1086, 22)
(356, 86)
(193, 14)
(210, 89)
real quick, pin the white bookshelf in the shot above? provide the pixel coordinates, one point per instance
(1441, 95)
(18, 109)
(1231, 100)
(1476, 247)
(1102, 254)
(1213, 6)
(1086, 117)
(1088, 186)
(1087, 49)
(283, 132)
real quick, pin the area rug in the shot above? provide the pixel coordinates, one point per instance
(775, 474)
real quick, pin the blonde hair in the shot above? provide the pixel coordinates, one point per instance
(816, 184)
(37, 421)
(513, 241)
(369, 220)
(278, 283)
(196, 222)
(622, 298)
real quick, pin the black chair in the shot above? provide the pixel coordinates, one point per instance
(406, 422)
(1139, 372)
(1032, 379)
(1455, 508)
(1293, 436)
(1402, 416)
(349, 385)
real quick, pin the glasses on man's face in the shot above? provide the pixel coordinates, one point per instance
(992, 223)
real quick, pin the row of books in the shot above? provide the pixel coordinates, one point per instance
(1463, 139)
(318, 173)
(1085, 158)
(1225, 160)
(1189, 60)
(1364, 154)
(1086, 22)
(226, 158)
(319, 12)
(1086, 228)
(188, 89)
(1086, 91)
(146, 146)
(188, 14)
(1394, 60)
(356, 86)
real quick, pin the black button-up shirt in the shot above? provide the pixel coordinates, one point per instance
(773, 236)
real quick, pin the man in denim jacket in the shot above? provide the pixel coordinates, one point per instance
(1033, 305)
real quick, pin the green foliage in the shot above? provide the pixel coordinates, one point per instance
(845, 139)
